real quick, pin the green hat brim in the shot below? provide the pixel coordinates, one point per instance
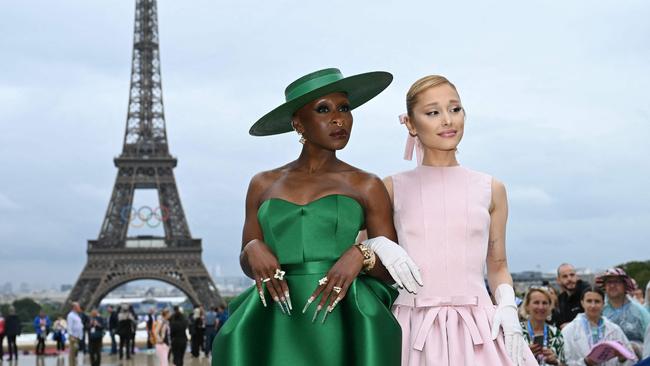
(359, 89)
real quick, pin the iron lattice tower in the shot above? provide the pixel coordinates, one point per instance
(145, 163)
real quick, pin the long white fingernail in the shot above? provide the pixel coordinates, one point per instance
(309, 301)
(281, 307)
(335, 303)
(318, 309)
(263, 298)
(286, 293)
(329, 310)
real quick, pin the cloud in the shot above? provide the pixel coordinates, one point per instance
(7, 204)
(534, 196)
(559, 114)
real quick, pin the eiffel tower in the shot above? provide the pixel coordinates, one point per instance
(145, 163)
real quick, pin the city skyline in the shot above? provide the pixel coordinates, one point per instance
(558, 113)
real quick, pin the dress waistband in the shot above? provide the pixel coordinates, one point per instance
(424, 302)
(307, 267)
(441, 306)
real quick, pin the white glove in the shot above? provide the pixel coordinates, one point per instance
(506, 317)
(400, 266)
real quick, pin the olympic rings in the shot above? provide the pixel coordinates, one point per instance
(145, 215)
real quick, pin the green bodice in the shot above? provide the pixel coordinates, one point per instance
(307, 240)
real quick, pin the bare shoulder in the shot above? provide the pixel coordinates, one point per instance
(262, 181)
(362, 180)
(388, 183)
(499, 196)
(498, 187)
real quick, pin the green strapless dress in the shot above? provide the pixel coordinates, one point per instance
(307, 240)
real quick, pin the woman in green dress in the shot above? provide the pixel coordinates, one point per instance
(298, 243)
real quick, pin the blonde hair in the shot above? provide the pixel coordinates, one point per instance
(423, 84)
(522, 310)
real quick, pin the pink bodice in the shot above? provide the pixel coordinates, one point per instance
(442, 219)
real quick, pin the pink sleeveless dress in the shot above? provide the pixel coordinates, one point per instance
(442, 220)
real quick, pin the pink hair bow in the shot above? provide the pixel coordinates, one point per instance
(412, 143)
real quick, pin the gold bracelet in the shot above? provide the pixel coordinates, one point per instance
(369, 257)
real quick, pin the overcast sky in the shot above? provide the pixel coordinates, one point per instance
(556, 93)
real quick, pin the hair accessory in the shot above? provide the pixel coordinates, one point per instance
(412, 143)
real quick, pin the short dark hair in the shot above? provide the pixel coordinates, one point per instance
(562, 265)
(592, 288)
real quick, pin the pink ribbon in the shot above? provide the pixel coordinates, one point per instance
(440, 306)
(412, 143)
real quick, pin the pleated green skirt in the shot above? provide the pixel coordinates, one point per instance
(360, 331)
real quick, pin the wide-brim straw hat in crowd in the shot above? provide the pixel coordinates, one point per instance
(358, 88)
(615, 273)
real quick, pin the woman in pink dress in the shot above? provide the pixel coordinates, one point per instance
(452, 222)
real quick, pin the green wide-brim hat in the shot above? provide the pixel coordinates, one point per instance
(359, 89)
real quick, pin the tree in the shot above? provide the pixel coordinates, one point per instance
(26, 309)
(640, 271)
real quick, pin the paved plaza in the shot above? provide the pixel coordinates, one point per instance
(145, 358)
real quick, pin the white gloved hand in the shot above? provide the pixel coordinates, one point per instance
(398, 263)
(506, 317)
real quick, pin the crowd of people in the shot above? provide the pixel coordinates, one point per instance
(563, 328)
(167, 332)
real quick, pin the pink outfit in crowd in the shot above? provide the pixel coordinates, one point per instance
(442, 220)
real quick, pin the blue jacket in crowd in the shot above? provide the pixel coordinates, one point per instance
(37, 325)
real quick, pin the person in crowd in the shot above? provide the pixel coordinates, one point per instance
(75, 332)
(197, 330)
(12, 330)
(647, 297)
(299, 242)
(125, 325)
(452, 221)
(151, 318)
(178, 334)
(162, 337)
(134, 328)
(2, 336)
(223, 315)
(621, 309)
(83, 344)
(544, 339)
(590, 328)
(58, 329)
(637, 293)
(569, 299)
(95, 336)
(211, 324)
(555, 310)
(42, 326)
(111, 322)
(646, 343)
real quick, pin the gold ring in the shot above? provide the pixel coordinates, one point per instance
(322, 281)
(337, 289)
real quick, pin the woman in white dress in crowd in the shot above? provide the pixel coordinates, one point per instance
(589, 328)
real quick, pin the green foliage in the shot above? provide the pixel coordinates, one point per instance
(4, 309)
(640, 271)
(26, 309)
